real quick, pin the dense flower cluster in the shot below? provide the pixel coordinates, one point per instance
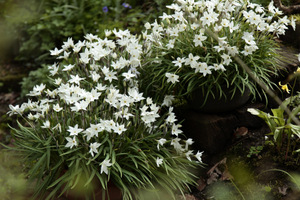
(94, 111)
(87, 102)
(197, 45)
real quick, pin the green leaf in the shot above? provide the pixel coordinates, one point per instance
(91, 177)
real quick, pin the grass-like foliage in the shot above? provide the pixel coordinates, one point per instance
(94, 128)
(186, 56)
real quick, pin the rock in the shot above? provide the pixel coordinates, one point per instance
(213, 132)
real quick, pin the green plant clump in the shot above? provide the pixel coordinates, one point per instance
(32, 27)
(285, 134)
(198, 48)
(95, 126)
(55, 21)
(254, 150)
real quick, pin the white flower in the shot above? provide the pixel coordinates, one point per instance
(119, 128)
(68, 67)
(174, 6)
(171, 118)
(171, 43)
(95, 76)
(161, 142)
(57, 127)
(109, 75)
(53, 69)
(179, 61)
(57, 108)
(71, 142)
(177, 145)
(209, 18)
(194, 26)
(176, 130)
(37, 90)
(165, 16)
(188, 142)
(172, 77)
(125, 100)
(248, 37)
(188, 154)
(46, 124)
(159, 161)
(104, 165)
(198, 39)
(147, 25)
(65, 56)
(128, 75)
(55, 52)
(253, 111)
(248, 50)
(168, 100)
(57, 81)
(178, 16)
(68, 43)
(82, 105)
(225, 22)
(75, 79)
(107, 32)
(204, 69)
(299, 57)
(191, 60)
(84, 57)
(100, 87)
(78, 46)
(199, 156)
(93, 130)
(14, 110)
(134, 93)
(293, 23)
(232, 50)
(30, 116)
(93, 148)
(226, 59)
(74, 130)
(254, 18)
(219, 67)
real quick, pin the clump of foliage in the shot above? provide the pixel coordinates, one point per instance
(254, 150)
(285, 133)
(37, 26)
(198, 48)
(95, 126)
(35, 77)
(55, 21)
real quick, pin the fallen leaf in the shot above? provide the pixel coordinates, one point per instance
(226, 176)
(241, 131)
(223, 161)
(201, 184)
(212, 178)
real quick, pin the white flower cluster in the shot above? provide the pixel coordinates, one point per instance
(239, 28)
(95, 98)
